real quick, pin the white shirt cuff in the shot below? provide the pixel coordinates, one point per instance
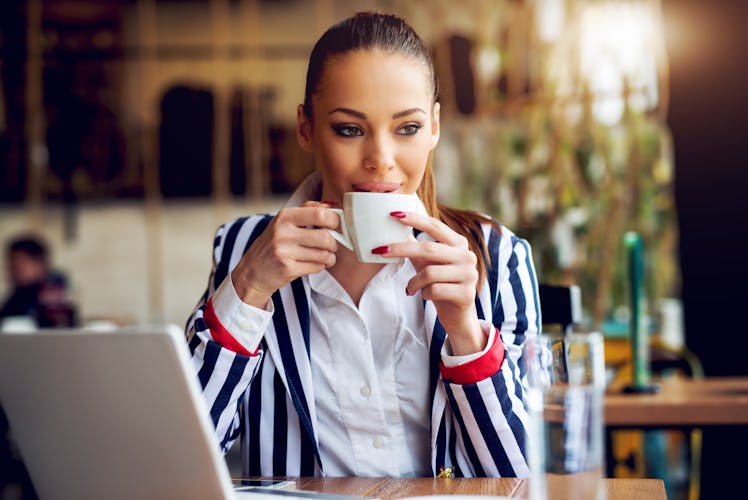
(451, 361)
(246, 323)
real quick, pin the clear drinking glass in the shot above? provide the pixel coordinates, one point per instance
(565, 390)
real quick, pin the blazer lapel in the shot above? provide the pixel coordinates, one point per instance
(436, 389)
(288, 344)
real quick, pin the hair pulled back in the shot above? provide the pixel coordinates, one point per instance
(363, 32)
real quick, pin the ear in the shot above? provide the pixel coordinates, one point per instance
(435, 125)
(304, 130)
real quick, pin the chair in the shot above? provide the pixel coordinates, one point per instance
(560, 306)
(666, 361)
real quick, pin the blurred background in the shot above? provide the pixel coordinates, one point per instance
(130, 129)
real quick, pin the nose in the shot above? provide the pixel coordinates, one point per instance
(380, 154)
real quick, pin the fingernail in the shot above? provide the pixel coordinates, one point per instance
(381, 250)
(398, 215)
(407, 292)
(331, 203)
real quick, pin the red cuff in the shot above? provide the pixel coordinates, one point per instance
(478, 369)
(221, 335)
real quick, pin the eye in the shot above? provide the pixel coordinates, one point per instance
(409, 129)
(348, 130)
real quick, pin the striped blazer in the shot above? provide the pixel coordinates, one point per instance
(268, 399)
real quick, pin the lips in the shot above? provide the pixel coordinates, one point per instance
(377, 187)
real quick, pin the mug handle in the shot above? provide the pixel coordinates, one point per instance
(343, 238)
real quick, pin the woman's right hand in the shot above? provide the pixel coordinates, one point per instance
(295, 243)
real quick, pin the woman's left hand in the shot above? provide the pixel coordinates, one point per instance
(446, 275)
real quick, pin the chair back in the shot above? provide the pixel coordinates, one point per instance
(560, 305)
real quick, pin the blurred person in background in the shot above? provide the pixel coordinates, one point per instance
(37, 292)
(32, 286)
(325, 365)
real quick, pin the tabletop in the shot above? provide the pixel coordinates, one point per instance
(682, 403)
(392, 488)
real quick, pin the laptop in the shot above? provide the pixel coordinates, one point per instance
(115, 415)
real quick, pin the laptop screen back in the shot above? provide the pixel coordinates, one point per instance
(115, 415)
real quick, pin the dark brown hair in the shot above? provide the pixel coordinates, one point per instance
(389, 33)
(29, 245)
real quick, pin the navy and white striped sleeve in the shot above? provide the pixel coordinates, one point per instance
(490, 415)
(224, 374)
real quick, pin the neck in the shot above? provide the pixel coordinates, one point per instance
(351, 274)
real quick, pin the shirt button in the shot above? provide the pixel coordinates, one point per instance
(365, 391)
(378, 442)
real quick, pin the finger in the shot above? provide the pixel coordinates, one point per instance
(449, 292)
(286, 232)
(308, 216)
(443, 274)
(428, 251)
(316, 238)
(306, 268)
(433, 275)
(305, 255)
(290, 262)
(433, 227)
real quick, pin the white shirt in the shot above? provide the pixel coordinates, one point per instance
(370, 373)
(370, 367)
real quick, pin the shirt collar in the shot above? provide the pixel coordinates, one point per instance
(310, 189)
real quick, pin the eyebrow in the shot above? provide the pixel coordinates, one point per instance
(362, 116)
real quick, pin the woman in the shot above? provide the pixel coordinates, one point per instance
(328, 366)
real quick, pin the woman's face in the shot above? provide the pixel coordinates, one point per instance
(374, 124)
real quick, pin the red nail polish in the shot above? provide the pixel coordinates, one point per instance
(407, 292)
(398, 215)
(331, 203)
(381, 250)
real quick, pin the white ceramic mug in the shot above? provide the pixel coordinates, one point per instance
(366, 223)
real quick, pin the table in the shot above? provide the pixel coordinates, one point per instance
(391, 488)
(681, 403)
